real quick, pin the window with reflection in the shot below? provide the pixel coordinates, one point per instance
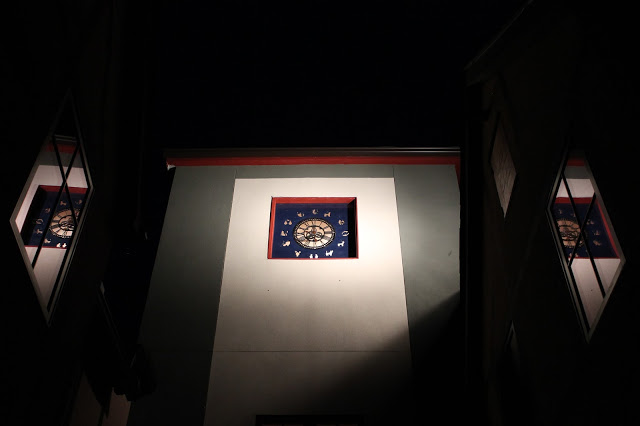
(591, 254)
(53, 202)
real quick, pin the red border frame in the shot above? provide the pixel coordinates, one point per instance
(285, 161)
(308, 200)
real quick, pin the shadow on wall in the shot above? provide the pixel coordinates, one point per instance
(430, 395)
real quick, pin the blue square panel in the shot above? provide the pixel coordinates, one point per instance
(313, 228)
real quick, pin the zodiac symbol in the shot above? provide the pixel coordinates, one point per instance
(341, 222)
(64, 245)
(39, 221)
(300, 214)
(311, 256)
(284, 233)
(341, 244)
(328, 253)
(297, 253)
(345, 233)
(47, 210)
(58, 245)
(79, 201)
(314, 211)
(62, 203)
(327, 214)
(38, 231)
(287, 222)
(286, 243)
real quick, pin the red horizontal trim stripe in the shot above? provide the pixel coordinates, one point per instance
(575, 162)
(311, 200)
(277, 161)
(67, 148)
(285, 161)
(72, 189)
(581, 200)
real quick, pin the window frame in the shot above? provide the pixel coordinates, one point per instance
(310, 420)
(505, 175)
(587, 328)
(48, 305)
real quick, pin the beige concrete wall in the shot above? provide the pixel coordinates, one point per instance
(300, 327)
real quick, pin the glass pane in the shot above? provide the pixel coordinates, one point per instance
(599, 238)
(46, 215)
(66, 124)
(77, 177)
(78, 199)
(566, 221)
(57, 239)
(45, 172)
(47, 268)
(66, 135)
(66, 149)
(588, 238)
(62, 223)
(580, 188)
(588, 288)
(602, 246)
(38, 217)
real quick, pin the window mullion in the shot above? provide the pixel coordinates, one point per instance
(60, 165)
(55, 205)
(583, 235)
(46, 228)
(73, 158)
(575, 211)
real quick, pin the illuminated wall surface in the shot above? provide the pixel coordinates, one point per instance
(252, 335)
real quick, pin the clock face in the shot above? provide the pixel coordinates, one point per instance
(313, 233)
(49, 221)
(63, 224)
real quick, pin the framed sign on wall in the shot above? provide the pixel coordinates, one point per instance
(313, 228)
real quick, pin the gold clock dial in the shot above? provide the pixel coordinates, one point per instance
(314, 233)
(63, 224)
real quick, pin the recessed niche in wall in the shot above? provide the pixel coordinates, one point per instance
(313, 228)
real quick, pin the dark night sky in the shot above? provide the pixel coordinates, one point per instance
(316, 73)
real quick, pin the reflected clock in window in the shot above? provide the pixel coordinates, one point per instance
(63, 223)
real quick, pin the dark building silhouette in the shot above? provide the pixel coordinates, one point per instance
(555, 82)
(547, 98)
